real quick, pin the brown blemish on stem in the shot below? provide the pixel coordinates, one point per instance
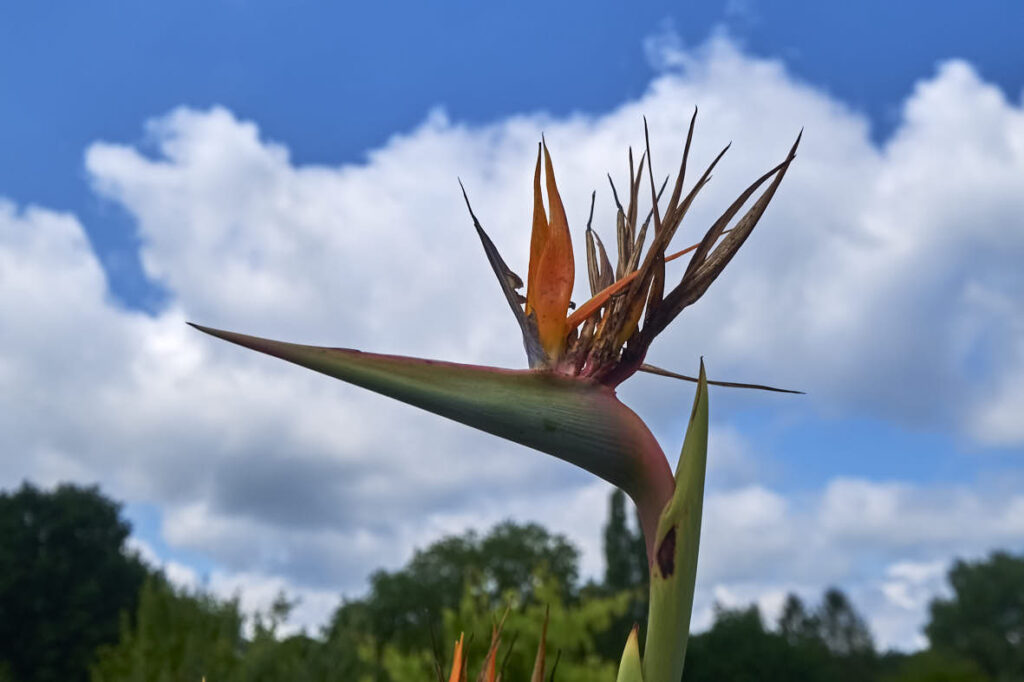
(666, 555)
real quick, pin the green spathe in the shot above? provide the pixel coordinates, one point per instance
(578, 420)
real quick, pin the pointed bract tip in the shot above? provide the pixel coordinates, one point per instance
(465, 197)
(799, 136)
(206, 330)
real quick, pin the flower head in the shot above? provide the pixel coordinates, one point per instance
(565, 404)
(607, 337)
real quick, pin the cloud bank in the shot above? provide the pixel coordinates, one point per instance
(884, 280)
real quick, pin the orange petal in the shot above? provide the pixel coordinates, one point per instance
(456, 675)
(538, 238)
(555, 273)
(600, 298)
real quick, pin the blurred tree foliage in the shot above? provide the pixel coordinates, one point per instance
(176, 636)
(403, 607)
(984, 620)
(571, 635)
(831, 642)
(625, 557)
(181, 635)
(931, 666)
(626, 572)
(65, 576)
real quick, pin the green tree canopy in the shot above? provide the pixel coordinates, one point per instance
(984, 619)
(175, 636)
(403, 607)
(181, 635)
(738, 648)
(931, 666)
(841, 628)
(65, 576)
(796, 625)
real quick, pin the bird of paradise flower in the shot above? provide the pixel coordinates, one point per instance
(565, 404)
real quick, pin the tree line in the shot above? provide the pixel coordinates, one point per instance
(77, 606)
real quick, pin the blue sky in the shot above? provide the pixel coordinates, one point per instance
(157, 129)
(334, 79)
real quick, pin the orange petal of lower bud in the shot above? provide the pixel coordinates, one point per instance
(456, 675)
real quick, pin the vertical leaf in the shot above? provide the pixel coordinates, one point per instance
(674, 569)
